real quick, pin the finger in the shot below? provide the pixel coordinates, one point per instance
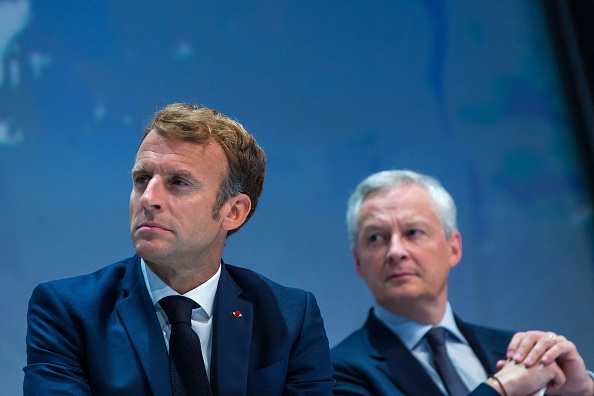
(562, 346)
(558, 379)
(544, 344)
(500, 364)
(514, 344)
(528, 342)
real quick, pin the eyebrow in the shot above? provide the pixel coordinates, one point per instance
(137, 169)
(379, 227)
(183, 173)
(371, 228)
(179, 173)
(416, 223)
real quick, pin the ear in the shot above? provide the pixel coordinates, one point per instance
(235, 211)
(455, 243)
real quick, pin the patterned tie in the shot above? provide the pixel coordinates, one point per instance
(452, 381)
(188, 374)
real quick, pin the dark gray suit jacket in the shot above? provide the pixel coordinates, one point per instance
(373, 361)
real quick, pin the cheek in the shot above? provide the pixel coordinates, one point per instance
(134, 198)
(436, 270)
(133, 205)
(377, 258)
(370, 266)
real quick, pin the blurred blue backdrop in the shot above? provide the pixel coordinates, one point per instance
(467, 91)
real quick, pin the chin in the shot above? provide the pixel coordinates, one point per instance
(403, 296)
(149, 251)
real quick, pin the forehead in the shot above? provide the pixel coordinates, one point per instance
(408, 202)
(162, 149)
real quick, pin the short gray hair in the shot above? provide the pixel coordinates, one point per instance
(446, 208)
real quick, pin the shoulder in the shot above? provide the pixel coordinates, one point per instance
(352, 348)
(106, 281)
(254, 283)
(83, 302)
(485, 332)
(356, 366)
(490, 344)
(271, 299)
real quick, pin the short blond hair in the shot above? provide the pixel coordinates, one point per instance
(199, 124)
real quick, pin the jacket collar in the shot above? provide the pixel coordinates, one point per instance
(396, 362)
(139, 320)
(232, 335)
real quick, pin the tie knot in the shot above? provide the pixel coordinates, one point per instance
(436, 337)
(178, 308)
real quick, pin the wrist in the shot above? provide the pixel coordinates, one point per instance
(496, 384)
(588, 390)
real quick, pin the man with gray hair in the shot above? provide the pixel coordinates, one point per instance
(405, 241)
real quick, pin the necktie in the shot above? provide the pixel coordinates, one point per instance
(187, 371)
(452, 381)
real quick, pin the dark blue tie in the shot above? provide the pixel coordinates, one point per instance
(452, 381)
(186, 366)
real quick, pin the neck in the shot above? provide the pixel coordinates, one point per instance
(183, 279)
(424, 313)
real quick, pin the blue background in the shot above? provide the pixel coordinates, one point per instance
(467, 91)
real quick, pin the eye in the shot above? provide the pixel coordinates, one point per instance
(141, 179)
(375, 238)
(413, 233)
(179, 182)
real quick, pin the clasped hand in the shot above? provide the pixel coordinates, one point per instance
(538, 359)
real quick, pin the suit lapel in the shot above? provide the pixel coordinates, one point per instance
(139, 320)
(487, 345)
(395, 360)
(232, 334)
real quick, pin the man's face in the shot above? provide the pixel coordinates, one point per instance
(171, 204)
(401, 250)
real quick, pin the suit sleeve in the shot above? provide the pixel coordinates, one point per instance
(55, 348)
(484, 390)
(348, 381)
(310, 368)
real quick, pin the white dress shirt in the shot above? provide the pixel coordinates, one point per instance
(412, 336)
(201, 317)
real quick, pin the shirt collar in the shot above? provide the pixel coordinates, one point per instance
(411, 332)
(204, 294)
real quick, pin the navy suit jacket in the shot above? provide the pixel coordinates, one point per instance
(99, 334)
(373, 361)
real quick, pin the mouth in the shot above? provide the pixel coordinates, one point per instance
(151, 227)
(400, 276)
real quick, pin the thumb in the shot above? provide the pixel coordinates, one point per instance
(557, 381)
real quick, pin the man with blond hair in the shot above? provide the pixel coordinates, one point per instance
(174, 319)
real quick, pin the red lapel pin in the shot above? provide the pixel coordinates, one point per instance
(237, 314)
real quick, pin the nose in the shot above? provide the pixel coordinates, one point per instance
(152, 196)
(397, 250)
